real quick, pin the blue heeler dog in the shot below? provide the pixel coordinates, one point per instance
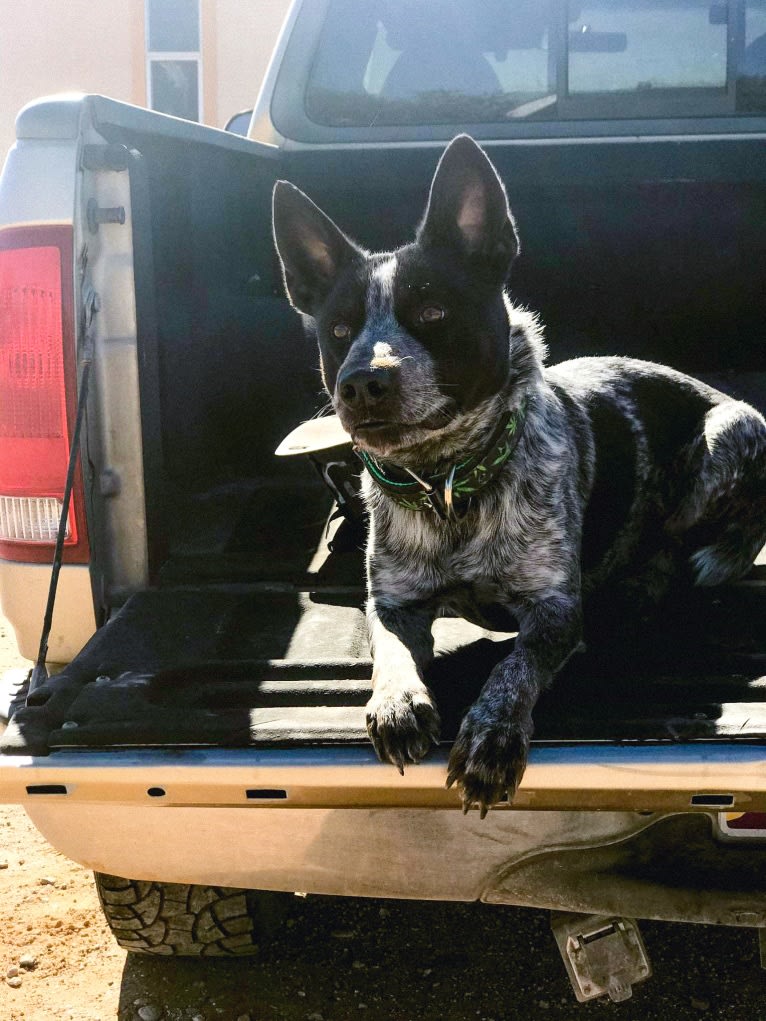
(494, 481)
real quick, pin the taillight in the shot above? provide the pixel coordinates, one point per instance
(38, 395)
(742, 825)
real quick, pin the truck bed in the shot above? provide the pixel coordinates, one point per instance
(279, 658)
(242, 644)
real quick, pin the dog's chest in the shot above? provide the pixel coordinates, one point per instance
(497, 557)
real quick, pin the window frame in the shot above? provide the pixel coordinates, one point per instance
(657, 102)
(284, 103)
(187, 56)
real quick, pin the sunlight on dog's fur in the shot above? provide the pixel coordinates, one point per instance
(622, 475)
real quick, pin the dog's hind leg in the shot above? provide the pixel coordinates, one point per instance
(722, 518)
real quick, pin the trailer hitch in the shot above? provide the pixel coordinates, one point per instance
(603, 956)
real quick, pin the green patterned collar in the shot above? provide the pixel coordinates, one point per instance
(449, 492)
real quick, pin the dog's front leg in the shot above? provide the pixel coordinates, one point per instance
(402, 720)
(490, 752)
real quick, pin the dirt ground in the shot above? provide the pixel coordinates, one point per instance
(334, 960)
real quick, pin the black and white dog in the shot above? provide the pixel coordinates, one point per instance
(493, 480)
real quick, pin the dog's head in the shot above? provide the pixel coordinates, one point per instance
(412, 341)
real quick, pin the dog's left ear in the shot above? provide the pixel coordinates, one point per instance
(468, 208)
(311, 248)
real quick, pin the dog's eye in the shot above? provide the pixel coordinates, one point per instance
(431, 314)
(341, 331)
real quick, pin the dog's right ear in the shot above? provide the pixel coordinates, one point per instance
(468, 208)
(311, 248)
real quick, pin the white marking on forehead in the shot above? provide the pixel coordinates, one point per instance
(384, 356)
(380, 293)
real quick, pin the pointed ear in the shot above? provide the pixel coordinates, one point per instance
(311, 248)
(468, 208)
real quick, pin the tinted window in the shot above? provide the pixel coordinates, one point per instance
(175, 88)
(173, 25)
(650, 44)
(394, 62)
(751, 84)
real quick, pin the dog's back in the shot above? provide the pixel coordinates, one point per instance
(671, 458)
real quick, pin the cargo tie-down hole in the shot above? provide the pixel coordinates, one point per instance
(265, 794)
(712, 800)
(156, 792)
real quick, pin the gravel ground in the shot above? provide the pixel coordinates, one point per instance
(335, 959)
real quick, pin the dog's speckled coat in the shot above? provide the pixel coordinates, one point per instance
(629, 478)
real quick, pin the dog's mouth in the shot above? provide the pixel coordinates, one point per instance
(374, 425)
(390, 433)
(379, 432)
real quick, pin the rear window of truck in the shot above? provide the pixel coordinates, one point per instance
(405, 62)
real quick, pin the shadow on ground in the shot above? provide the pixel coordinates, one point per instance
(338, 959)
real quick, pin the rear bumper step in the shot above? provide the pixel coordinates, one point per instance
(696, 777)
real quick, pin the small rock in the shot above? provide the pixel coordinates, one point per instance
(243, 1017)
(301, 993)
(362, 1006)
(543, 1004)
(14, 982)
(344, 934)
(384, 913)
(198, 1017)
(358, 964)
(47, 881)
(699, 1003)
(149, 1013)
(3, 864)
(12, 972)
(315, 1017)
(28, 961)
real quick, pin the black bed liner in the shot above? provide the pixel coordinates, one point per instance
(275, 664)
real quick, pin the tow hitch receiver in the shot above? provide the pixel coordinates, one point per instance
(603, 956)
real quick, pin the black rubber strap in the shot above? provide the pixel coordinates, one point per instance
(39, 674)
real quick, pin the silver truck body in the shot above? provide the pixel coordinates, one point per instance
(327, 820)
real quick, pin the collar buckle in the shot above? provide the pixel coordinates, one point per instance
(449, 503)
(432, 497)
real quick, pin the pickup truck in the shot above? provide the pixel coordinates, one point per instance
(200, 743)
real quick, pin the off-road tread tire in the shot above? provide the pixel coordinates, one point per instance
(181, 920)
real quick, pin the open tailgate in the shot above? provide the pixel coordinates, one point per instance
(255, 694)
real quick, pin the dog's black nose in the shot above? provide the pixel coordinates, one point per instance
(361, 387)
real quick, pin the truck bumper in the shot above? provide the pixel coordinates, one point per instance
(663, 867)
(335, 821)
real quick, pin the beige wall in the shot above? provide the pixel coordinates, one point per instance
(61, 45)
(247, 31)
(49, 46)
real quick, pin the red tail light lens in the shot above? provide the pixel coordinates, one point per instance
(37, 394)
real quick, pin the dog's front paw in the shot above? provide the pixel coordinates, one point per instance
(489, 757)
(403, 724)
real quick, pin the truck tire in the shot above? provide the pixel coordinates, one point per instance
(181, 920)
